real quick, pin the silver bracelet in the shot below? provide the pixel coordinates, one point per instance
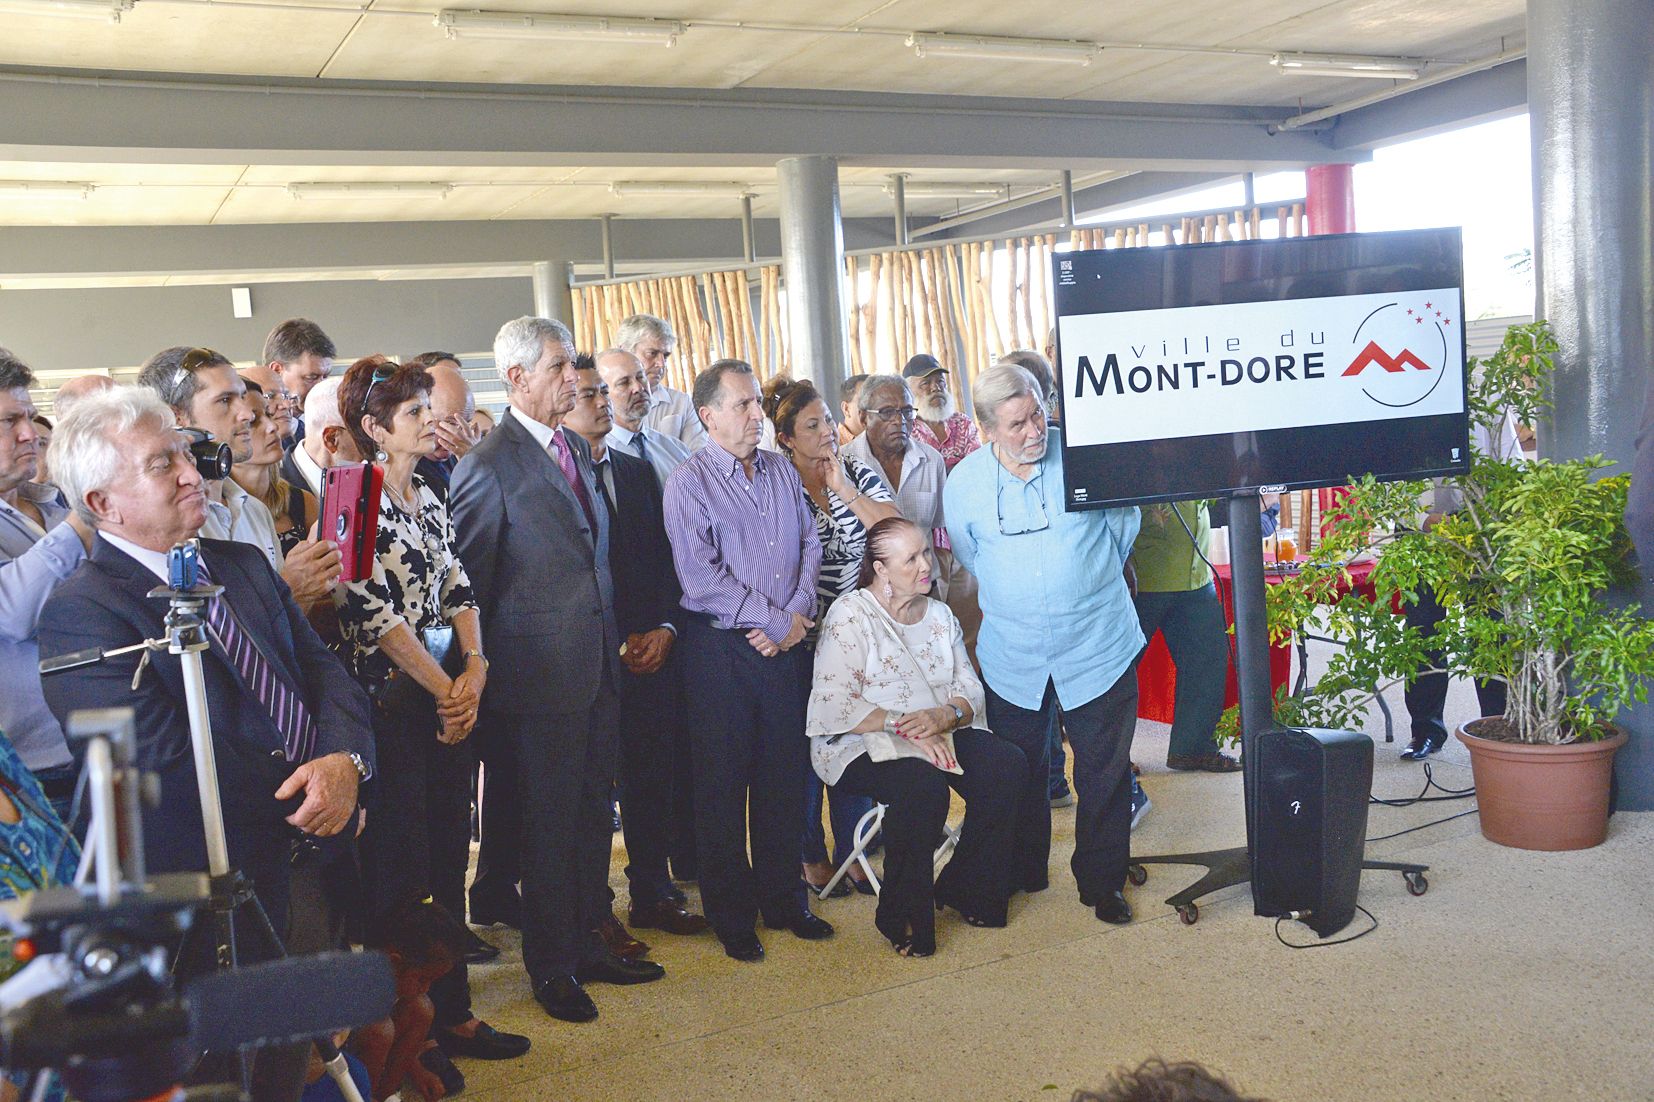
(891, 719)
(852, 501)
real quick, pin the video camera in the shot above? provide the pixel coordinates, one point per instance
(114, 1021)
(212, 457)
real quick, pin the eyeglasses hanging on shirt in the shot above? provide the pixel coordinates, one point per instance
(1019, 519)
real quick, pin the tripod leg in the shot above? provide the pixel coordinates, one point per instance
(339, 1070)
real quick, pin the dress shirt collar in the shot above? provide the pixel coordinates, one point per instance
(623, 435)
(153, 561)
(541, 432)
(308, 467)
(725, 462)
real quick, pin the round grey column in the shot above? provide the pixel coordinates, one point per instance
(1591, 104)
(551, 291)
(812, 263)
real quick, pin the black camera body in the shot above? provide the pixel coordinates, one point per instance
(212, 457)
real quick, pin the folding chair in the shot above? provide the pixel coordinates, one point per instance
(867, 826)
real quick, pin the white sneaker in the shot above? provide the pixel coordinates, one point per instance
(1140, 804)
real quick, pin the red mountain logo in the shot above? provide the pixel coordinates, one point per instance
(1373, 354)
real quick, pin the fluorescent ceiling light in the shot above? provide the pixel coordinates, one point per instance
(104, 11)
(46, 189)
(943, 189)
(1344, 65)
(502, 24)
(330, 190)
(995, 48)
(623, 188)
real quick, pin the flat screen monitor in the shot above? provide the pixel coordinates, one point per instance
(1205, 370)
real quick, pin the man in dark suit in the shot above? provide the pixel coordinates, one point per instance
(534, 538)
(290, 726)
(646, 610)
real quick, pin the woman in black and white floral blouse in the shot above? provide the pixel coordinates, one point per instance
(413, 638)
(846, 498)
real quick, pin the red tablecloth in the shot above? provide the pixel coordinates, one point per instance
(1157, 677)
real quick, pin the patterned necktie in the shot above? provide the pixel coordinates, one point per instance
(565, 462)
(258, 677)
(642, 444)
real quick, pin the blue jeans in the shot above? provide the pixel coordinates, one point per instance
(1193, 626)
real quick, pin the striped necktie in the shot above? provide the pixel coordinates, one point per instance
(259, 678)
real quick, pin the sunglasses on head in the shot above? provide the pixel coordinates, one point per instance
(381, 374)
(195, 359)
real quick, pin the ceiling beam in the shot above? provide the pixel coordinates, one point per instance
(65, 115)
(1478, 97)
(102, 255)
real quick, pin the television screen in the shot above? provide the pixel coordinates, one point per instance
(1201, 370)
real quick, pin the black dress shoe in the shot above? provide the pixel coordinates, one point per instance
(612, 969)
(487, 1043)
(1114, 908)
(507, 911)
(744, 947)
(674, 918)
(435, 1061)
(563, 997)
(478, 951)
(1420, 748)
(674, 893)
(803, 924)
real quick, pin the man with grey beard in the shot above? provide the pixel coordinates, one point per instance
(940, 423)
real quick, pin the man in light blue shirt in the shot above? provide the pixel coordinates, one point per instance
(1058, 632)
(40, 545)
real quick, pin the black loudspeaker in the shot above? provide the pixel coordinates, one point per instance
(1311, 824)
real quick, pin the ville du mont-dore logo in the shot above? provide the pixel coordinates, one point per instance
(1408, 343)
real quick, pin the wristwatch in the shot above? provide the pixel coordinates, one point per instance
(958, 715)
(478, 654)
(362, 770)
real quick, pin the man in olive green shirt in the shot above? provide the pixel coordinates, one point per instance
(1175, 596)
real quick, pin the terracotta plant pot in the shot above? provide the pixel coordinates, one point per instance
(1535, 796)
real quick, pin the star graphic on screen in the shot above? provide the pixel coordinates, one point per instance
(1409, 313)
(1419, 319)
(1427, 306)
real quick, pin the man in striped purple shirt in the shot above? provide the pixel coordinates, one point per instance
(747, 555)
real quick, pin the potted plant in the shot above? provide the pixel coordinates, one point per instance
(1524, 568)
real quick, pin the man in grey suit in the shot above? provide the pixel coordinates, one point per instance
(534, 539)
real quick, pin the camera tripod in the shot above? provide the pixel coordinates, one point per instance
(230, 893)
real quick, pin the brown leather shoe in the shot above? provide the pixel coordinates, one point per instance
(666, 915)
(620, 943)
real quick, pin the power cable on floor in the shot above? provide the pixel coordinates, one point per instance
(1429, 783)
(1328, 944)
(1422, 826)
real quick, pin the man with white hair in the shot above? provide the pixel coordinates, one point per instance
(206, 394)
(533, 534)
(41, 543)
(671, 412)
(327, 444)
(290, 725)
(939, 424)
(1058, 631)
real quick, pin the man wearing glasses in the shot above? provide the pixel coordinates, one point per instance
(1059, 631)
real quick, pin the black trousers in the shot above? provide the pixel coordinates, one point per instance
(563, 766)
(977, 878)
(499, 819)
(651, 726)
(418, 837)
(1099, 735)
(1427, 695)
(746, 724)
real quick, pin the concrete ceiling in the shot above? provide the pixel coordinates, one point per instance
(1206, 56)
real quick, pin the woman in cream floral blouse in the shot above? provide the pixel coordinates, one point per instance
(893, 716)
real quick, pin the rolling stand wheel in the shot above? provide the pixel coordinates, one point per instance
(1189, 914)
(1416, 883)
(1137, 874)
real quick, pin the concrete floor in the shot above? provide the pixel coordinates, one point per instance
(1518, 976)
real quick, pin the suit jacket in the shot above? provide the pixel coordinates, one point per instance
(106, 603)
(539, 573)
(640, 555)
(436, 474)
(290, 468)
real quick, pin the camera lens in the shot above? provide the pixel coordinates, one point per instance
(212, 459)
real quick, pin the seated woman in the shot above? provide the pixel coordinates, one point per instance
(891, 713)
